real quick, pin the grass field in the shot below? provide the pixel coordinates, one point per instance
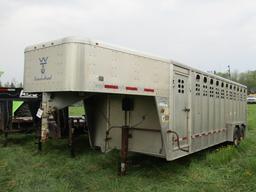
(76, 111)
(221, 169)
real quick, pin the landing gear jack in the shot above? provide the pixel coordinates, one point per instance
(127, 106)
(124, 151)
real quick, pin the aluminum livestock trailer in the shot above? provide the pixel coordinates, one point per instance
(134, 101)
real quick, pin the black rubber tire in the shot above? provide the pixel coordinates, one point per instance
(236, 137)
(242, 133)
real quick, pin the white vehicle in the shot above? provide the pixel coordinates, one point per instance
(136, 102)
(251, 99)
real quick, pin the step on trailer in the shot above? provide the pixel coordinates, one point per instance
(135, 102)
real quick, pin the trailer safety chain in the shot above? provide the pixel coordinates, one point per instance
(178, 140)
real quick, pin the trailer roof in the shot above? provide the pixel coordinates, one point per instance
(94, 43)
(207, 74)
(121, 49)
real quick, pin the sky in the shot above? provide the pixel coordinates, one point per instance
(205, 34)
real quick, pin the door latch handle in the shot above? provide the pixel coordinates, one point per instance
(187, 109)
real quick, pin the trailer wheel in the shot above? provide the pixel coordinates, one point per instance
(236, 137)
(242, 132)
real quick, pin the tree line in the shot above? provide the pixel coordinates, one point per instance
(12, 84)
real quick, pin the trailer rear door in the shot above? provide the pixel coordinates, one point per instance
(181, 108)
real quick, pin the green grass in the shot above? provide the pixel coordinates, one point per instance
(221, 169)
(76, 111)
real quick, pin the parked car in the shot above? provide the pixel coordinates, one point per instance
(251, 99)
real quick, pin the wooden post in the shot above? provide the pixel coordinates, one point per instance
(2, 116)
(8, 120)
(70, 138)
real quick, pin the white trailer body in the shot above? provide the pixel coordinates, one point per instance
(177, 110)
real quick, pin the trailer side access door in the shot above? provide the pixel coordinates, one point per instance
(181, 109)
